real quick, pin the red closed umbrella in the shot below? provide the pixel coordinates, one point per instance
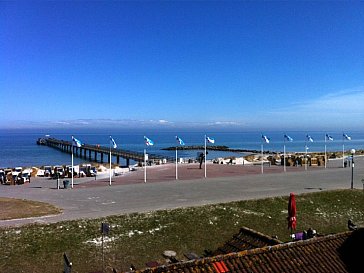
(292, 221)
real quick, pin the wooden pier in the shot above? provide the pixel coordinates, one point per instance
(96, 153)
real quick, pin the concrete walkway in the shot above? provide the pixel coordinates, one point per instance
(129, 193)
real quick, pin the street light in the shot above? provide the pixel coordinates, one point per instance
(352, 151)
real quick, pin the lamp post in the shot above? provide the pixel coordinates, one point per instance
(352, 167)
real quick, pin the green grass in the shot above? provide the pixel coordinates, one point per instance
(139, 238)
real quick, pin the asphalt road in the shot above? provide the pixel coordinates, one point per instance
(122, 198)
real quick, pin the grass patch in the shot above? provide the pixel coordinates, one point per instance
(18, 208)
(139, 238)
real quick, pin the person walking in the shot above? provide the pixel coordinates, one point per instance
(201, 158)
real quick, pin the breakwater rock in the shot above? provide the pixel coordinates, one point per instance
(213, 148)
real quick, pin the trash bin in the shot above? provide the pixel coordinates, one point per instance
(66, 184)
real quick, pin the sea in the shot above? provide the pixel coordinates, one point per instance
(19, 148)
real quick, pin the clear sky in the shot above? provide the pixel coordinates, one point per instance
(247, 65)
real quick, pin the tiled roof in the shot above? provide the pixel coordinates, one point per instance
(244, 240)
(337, 253)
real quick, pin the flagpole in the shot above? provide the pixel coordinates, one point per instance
(343, 149)
(110, 166)
(284, 155)
(176, 165)
(205, 159)
(306, 156)
(325, 152)
(145, 167)
(262, 159)
(72, 167)
(343, 153)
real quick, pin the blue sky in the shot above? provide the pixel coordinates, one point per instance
(246, 65)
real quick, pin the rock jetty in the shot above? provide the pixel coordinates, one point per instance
(213, 148)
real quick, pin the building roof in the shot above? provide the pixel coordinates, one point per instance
(333, 253)
(246, 239)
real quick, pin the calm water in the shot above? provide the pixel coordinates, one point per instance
(19, 148)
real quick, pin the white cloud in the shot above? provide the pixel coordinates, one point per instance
(348, 102)
(225, 123)
(61, 123)
(338, 110)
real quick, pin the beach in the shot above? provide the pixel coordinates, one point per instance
(92, 198)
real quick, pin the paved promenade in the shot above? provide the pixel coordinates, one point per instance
(224, 183)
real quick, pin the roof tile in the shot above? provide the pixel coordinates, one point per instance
(339, 253)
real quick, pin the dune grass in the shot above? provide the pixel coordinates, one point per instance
(139, 238)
